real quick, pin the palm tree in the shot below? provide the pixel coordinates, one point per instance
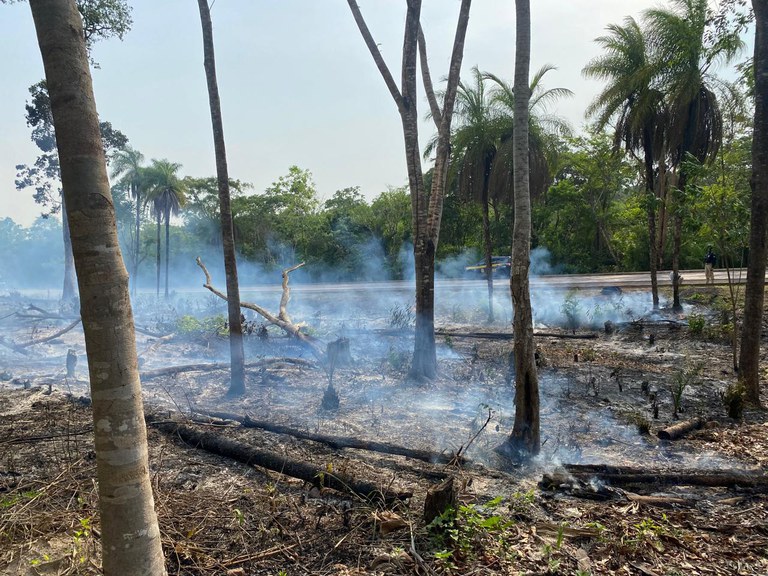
(127, 166)
(167, 194)
(636, 108)
(677, 37)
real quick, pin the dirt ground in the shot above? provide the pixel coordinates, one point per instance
(604, 398)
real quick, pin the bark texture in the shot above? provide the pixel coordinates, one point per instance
(525, 437)
(237, 356)
(749, 358)
(129, 531)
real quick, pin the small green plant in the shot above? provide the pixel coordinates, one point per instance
(448, 341)
(696, 324)
(13, 499)
(641, 422)
(460, 534)
(81, 540)
(682, 379)
(239, 517)
(571, 309)
(733, 400)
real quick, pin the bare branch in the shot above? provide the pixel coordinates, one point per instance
(376, 53)
(427, 79)
(283, 315)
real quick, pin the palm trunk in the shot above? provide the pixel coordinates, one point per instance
(167, 245)
(525, 437)
(159, 228)
(677, 241)
(749, 358)
(137, 195)
(651, 199)
(488, 249)
(663, 196)
(129, 532)
(237, 356)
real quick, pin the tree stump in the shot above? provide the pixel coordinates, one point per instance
(440, 498)
(330, 399)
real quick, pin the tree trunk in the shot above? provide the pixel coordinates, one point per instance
(651, 199)
(167, 245)
(69, 291)
(237, 356)
(159, 228)
(130, 535)
(426, 212)
(488, 248)
(137, 195)
(677, 235)
(749, 359)
(525, 439)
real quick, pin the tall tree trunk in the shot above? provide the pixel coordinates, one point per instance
(237, 356)
(677, 242)
(69, 290)
(749, 358)
(135, 278)
(525, 437)
(426, 212)
(130, 536)
(653, 256)
(488, 249)
(158, 245)
(167, 246)
(663, 196)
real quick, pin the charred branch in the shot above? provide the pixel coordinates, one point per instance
(173, 370)
(680, 429)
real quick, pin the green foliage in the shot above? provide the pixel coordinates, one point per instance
(189, 325)
(680, 381)
(461, 534)
(696, 324)
(571, 309)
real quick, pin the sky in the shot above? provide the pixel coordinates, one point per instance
(297, 83)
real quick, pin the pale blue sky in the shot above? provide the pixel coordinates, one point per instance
(297, 83)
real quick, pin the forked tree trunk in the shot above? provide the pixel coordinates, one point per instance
(69, 290)
(426, 211)
(130, 536)
(749, 358)
(237, 357)
(525, 437)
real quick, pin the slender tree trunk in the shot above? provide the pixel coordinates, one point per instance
(751, 335)
(677, 241)
(167, 246)
(130, 536)
(137, 195)
(651, 200)
(663, 196)
(525, 437)
(237, 356)
(69, 291)
(159, 229)
(488, 249)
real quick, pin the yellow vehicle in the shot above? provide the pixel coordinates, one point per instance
(500, 267)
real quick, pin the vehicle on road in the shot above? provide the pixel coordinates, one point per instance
(500, 267)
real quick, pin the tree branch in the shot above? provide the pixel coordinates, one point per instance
(434, 108)
(376, 53)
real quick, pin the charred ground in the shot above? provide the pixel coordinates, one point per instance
(218, 515)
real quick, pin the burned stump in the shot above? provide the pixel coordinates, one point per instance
(330, 399)
(439, 499)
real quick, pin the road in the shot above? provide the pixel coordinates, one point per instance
(562, 281)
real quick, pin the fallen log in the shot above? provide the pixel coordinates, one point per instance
(335, 442)
(507, 335)
(51, 337)
(624, 476)
(173, 370)
(680, 429)
(317, 476)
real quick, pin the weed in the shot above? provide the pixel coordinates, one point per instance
(682, 379)
(401, 316)
(696, 324)
(571, 309)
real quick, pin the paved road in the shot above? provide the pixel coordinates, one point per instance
(563, 281)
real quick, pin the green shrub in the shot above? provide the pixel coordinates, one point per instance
(696, 324)
(733, 400)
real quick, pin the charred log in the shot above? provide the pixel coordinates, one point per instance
(680, 429)
(336, 442)
(317, 476)
(173, 370)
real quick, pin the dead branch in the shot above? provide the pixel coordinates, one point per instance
(504, 335)
(283, 314)
(173, 370)
(622, 476)
(336, 442)
(317, 476)
(51, 337)
(680, 429)
(289, 327)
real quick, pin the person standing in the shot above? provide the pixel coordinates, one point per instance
(709, 264)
